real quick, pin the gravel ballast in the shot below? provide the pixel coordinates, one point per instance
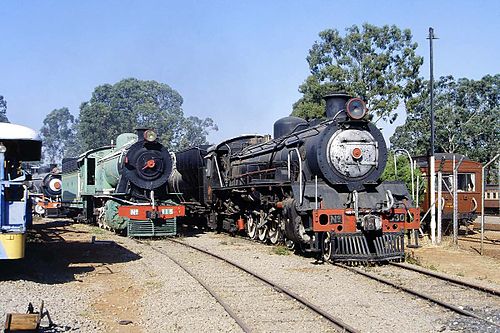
(119, 285)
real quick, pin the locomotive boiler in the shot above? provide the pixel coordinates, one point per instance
(123, 187)
(315, 184)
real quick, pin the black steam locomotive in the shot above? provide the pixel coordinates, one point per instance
(123, 187)
(45, 190)
(315, 185)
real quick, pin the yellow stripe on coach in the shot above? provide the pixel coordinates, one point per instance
(12, 246)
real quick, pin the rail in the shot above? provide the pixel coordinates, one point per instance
(219, 300)
(445, 305)
(444, 277)
(337, 322)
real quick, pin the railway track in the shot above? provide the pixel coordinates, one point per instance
(478, 241)
(462, 310)
(447, 278)
(225, 286)
(451, 283)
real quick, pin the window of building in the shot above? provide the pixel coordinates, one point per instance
(447, 181)
(466, 182)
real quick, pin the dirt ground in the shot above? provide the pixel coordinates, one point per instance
(463, 260)
(64, 253)
(116, 294)
(60, 252)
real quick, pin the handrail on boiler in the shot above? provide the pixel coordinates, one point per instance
(300, 170)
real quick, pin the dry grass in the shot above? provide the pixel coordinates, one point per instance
(412, 258)
(281, 250)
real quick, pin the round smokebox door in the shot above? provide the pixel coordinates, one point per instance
(353, 153)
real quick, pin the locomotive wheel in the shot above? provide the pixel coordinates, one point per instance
(290, 244)
(275, 233)
(39, 210)
(327, 247)
(262, 233)
(251, 228)
(294, 224)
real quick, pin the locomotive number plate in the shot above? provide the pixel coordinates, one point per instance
(167, 211)
(134, 212)
(397, 218)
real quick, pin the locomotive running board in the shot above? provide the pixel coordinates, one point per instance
(356, 247)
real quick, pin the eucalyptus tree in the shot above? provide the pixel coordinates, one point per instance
(131, 103)
(467, 118)
(58, 135)
(377, 64)
(3, 110)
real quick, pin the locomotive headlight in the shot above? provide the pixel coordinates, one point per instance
(150, 135)
(356, 108)
(3, 149)
(55, 184)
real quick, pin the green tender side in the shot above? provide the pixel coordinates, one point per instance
(70, 194)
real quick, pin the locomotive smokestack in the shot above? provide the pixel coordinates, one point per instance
(140, 133)
(335, 102)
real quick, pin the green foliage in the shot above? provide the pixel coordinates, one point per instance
(58, 135)
(72, 146)
(132, 103)
(377, 64)
(195, 131)
(467, 119)
(3, 110)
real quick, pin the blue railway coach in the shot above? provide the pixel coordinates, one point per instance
(17, 144)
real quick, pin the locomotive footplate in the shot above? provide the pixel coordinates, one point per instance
(358, 247)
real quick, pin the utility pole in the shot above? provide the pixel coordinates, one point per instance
(455, 198)
(432, 164)
(440, 205)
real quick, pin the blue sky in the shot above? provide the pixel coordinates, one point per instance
(239, 62)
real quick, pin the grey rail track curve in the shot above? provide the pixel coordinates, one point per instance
(336, 322)
(418, 294)
(445, 277)
(219, 300)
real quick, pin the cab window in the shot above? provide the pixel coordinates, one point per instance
(466, 182)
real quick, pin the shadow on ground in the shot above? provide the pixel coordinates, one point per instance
(52, 258)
